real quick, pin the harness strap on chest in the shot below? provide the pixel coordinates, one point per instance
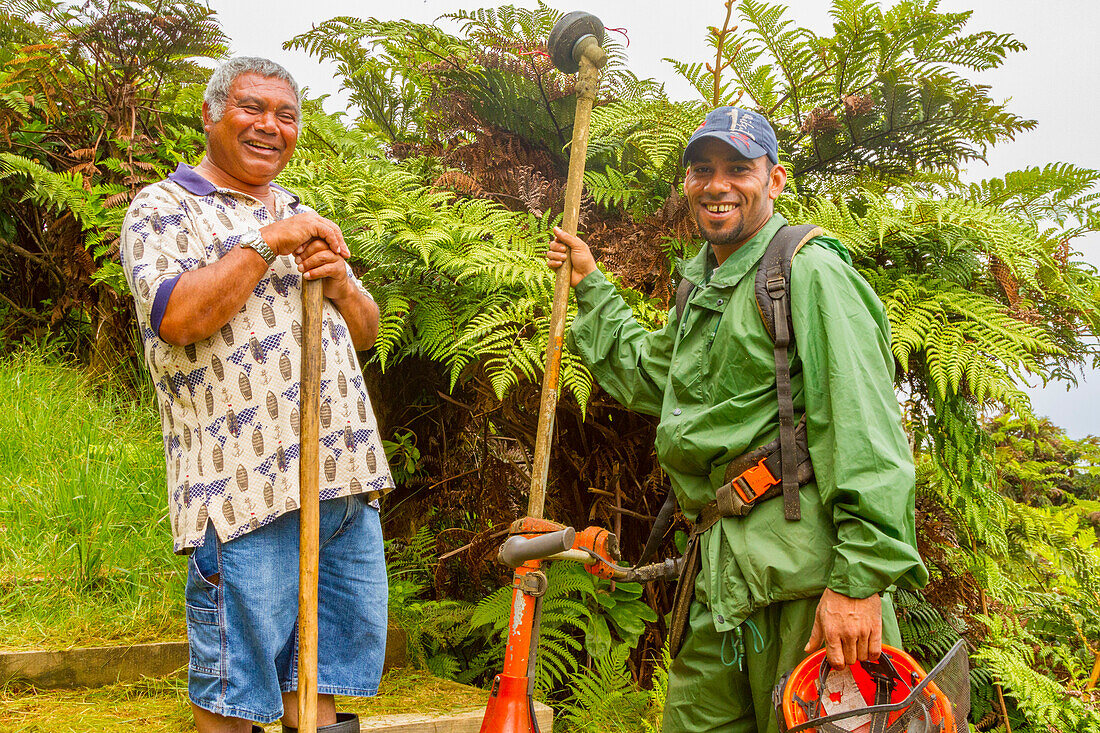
(773, 299)
(683, 294)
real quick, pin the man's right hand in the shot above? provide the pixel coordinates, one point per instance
(291, 235)
(204, 299)
(565, 245)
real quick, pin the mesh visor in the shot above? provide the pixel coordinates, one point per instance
(937, 703)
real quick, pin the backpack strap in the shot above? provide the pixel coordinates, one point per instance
(683, 295)
(773, 299)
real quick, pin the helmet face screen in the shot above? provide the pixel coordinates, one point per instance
(842, 694)
(892, 695)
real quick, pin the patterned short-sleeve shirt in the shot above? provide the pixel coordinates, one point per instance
(229, 404)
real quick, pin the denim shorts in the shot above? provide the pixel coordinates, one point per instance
(242, 631)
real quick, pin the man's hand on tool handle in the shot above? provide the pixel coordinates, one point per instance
(850, 628)
(316, 260)
(288, 236)
(565, 244)
(318, 248)
(319, 251)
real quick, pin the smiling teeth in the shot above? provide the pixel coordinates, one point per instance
(261, 145)
(718, 208)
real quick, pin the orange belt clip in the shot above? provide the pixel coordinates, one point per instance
(751, 484)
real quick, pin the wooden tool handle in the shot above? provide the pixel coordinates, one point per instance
(309, 502)
(590, 64)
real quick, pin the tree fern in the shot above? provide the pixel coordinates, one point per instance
(881, 94)
(460, 281)
(563, 621)
(605, 697)
(639, 144)
(1011, 653)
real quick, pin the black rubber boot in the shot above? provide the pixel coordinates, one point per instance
(345, 723)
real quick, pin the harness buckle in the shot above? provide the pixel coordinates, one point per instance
(751, 483)
(776, 286)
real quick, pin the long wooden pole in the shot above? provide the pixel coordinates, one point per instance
(592, 59)
(996, 686)
(309, 503)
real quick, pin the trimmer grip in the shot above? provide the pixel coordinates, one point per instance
(517, 550)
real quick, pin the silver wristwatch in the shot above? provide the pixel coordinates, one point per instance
(255, 241)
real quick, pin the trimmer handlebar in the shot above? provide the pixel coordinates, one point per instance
(517, 550)
(595, 548)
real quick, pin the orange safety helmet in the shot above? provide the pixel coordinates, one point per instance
(892, 695)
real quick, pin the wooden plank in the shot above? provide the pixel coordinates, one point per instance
(106, 665)
(93, 666)
(466, 721)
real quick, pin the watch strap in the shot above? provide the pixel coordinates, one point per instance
(255, 241)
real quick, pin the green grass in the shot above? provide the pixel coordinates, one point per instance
(160, 706)
(85, 545)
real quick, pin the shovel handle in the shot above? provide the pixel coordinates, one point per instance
(309, 503)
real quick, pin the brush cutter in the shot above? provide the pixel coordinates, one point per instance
(575, 46)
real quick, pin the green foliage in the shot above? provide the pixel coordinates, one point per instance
(85, 547)
(884, 94)
(460, 281)
(1057, 193)
(576, 606)
(93, 105)
(639, 144)
(979, 301)
(1038, 464)
(964, 282)
(438, 634)
(1035, 569)
(563, 620)
(924, 630)
(1016, 656)
(402, 455)
(413, 82)
(66, 192)
(605, 697)
(617, 618)
(370, 57)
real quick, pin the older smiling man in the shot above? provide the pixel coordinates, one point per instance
(215, 257)
(772, 583)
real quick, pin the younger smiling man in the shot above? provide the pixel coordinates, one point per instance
(769, 589)
(215, 257)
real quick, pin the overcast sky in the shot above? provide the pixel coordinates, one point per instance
(1052, 82)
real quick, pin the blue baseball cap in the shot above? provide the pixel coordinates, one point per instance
(747, 132)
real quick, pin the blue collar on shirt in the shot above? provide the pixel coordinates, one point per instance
(192, 182)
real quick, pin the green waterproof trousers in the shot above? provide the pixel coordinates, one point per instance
(723, 681)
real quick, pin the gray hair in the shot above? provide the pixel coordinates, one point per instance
(217, 89)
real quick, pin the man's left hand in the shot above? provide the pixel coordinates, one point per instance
(316, 260)
(850, 628)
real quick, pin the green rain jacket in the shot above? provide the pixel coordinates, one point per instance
(711, 381)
